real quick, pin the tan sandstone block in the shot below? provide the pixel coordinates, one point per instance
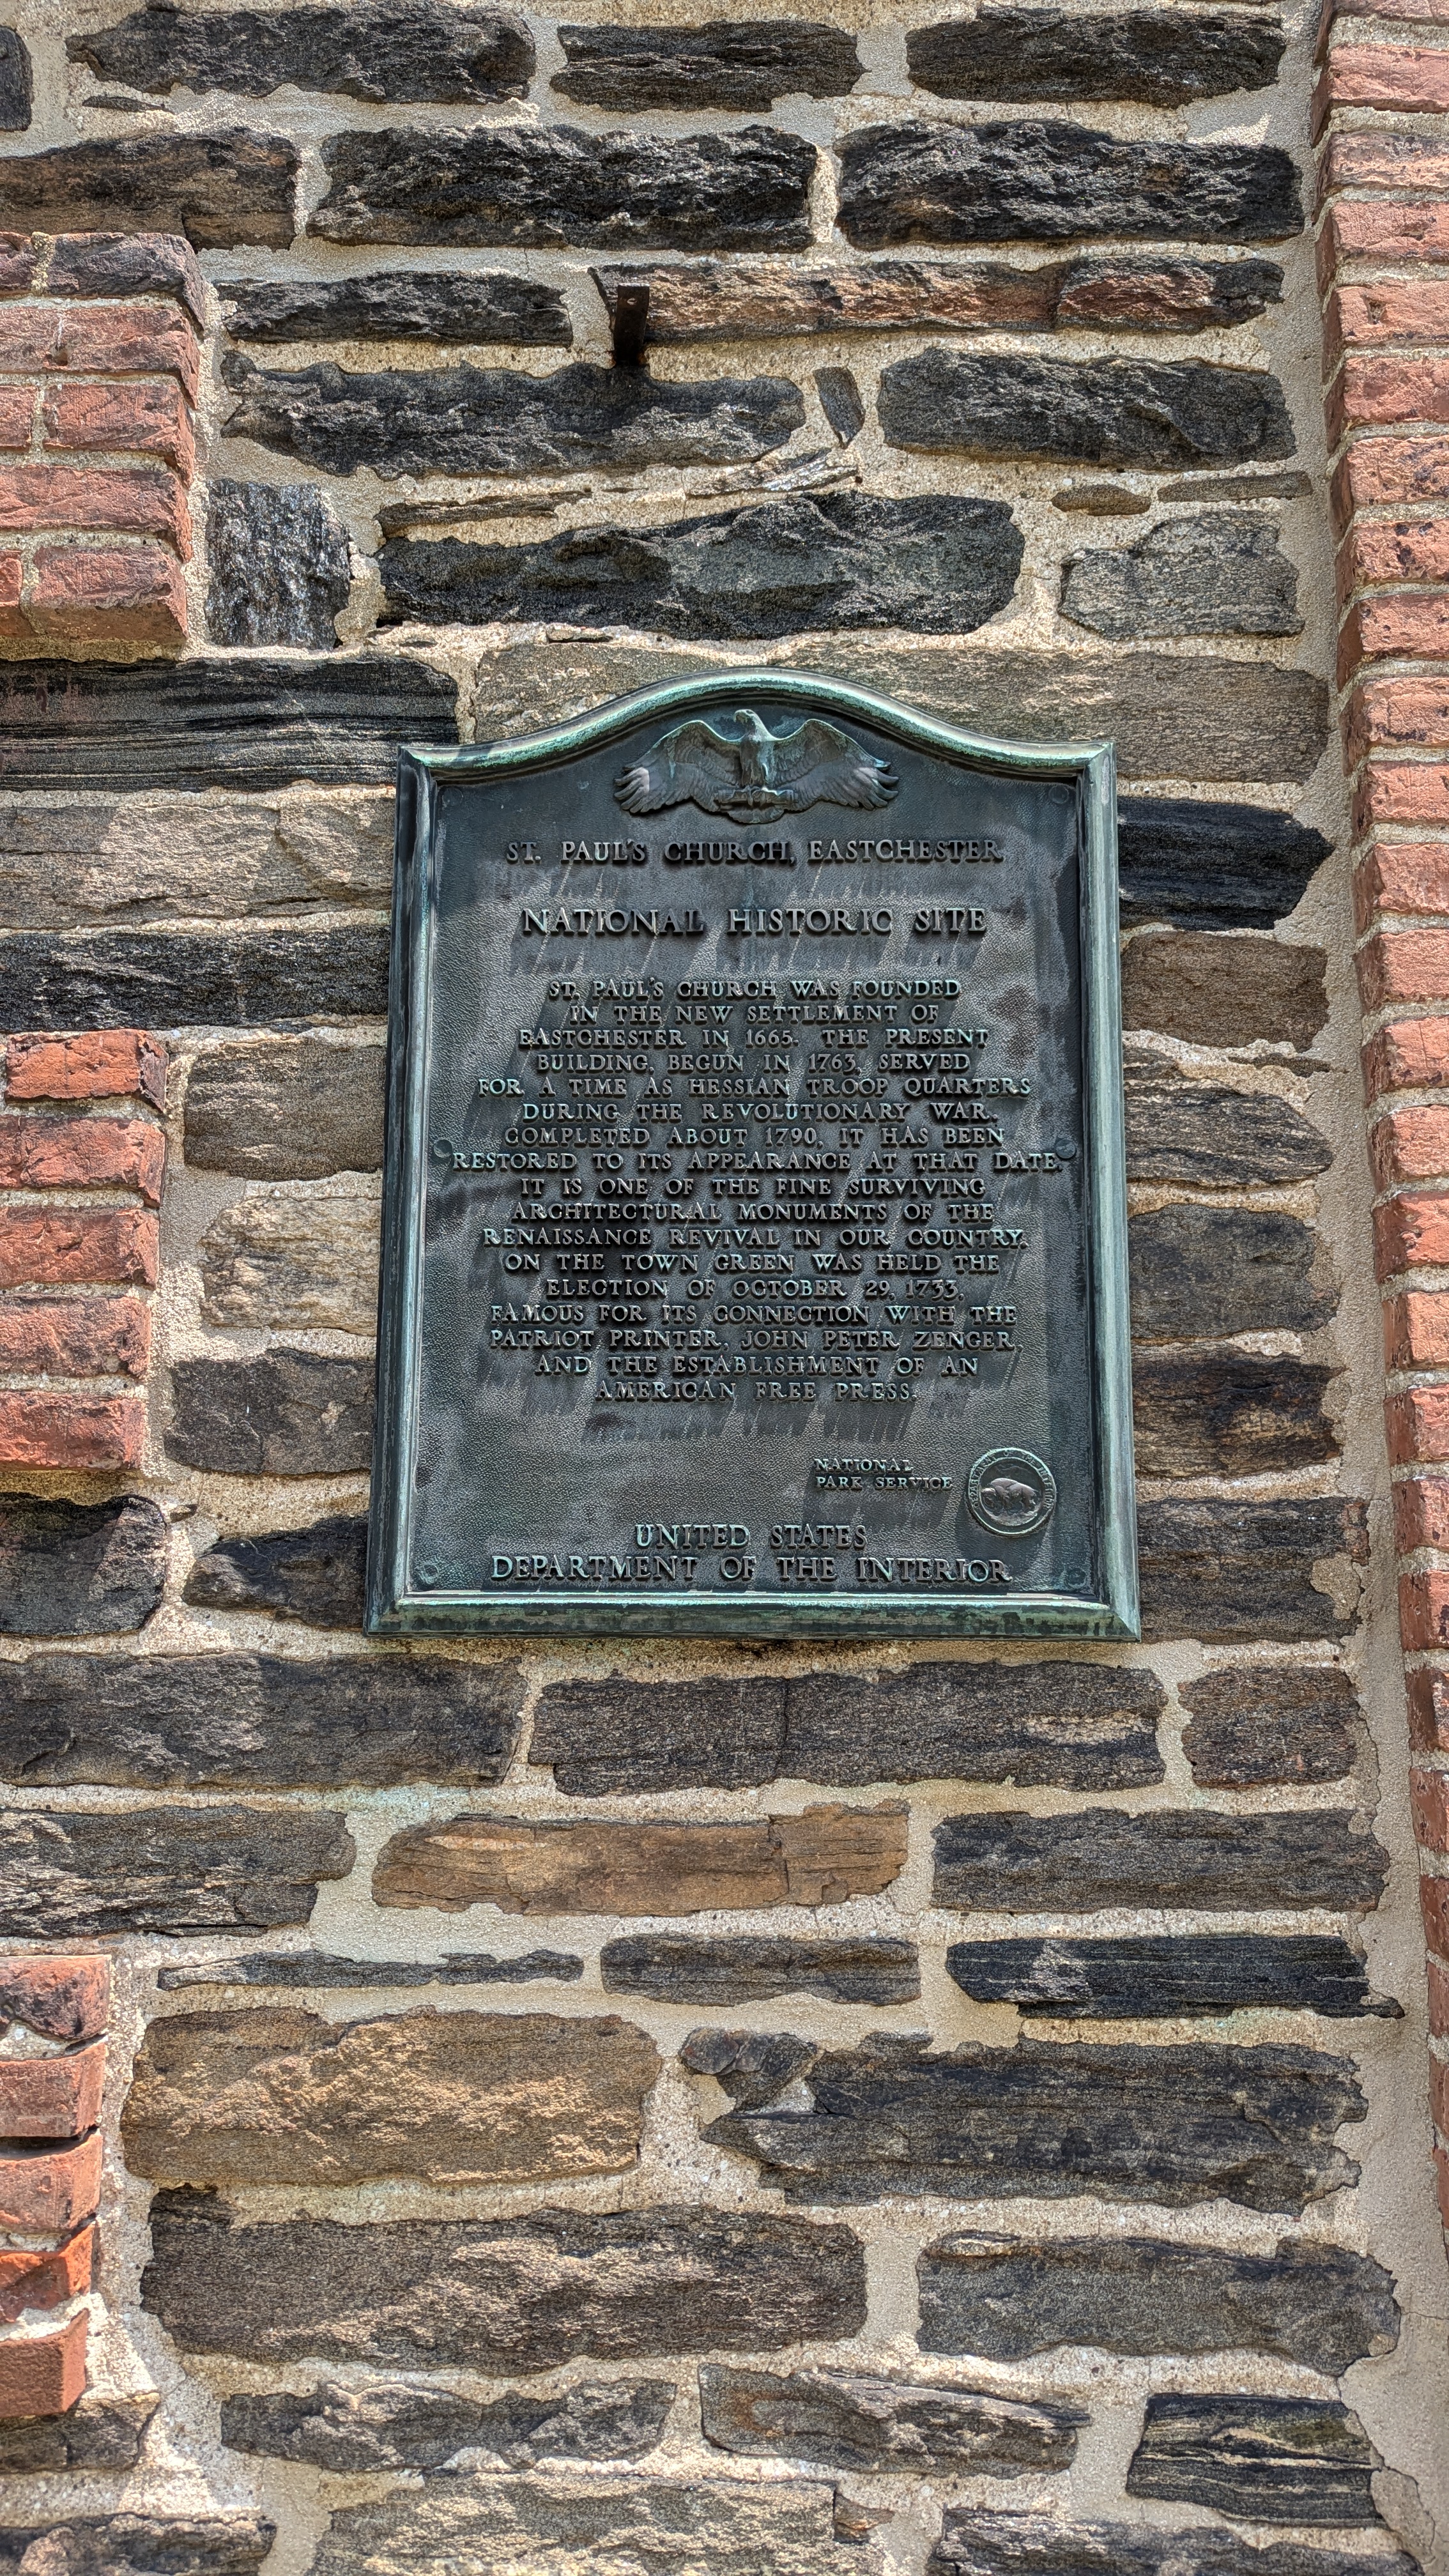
(822, 1857)
(290, 1262)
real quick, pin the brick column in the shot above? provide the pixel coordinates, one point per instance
(1383, 255)
(50, 2172)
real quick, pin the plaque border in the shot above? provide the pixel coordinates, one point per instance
(847, 1617)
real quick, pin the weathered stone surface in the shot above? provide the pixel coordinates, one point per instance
(1255, 1724)
(1037, 179)
(1224, 992)
(1198, 1859)
(1160, 56)
(1155, 1976)
(102, 2432)
(281, 566)
(867, 1968)
(67, 1875)
(1031, 2544)
(820, 1857)
(1213, 867)
(1222, 574)
(552, 2526)
(736, 63)
(545, 186)
(126, 264)
(1227, 1572)
(402, 304)
(1254, 2125)
(280, 1259)
(1113, 411)
(753, 2066)
(257, 1721)
(936, 564)
(90, 864)
(140, 2544)
(1005, 2299)
(398, 2424)
(856, 2420)
(841, 402)
(265, 2096)
(318, 1968)
(16, 83)
(1199, 1271)
(315, 1575)
(273, 1112)
(1265, 2459)
(181, 979)
(206, 722)
(623, 1735)
(1079, 1726)
(380, 50)
(219, 190)
(496, 420)
(79, 1569)
(513, 2294)
(1216, 1138)
(289, 1413)
(1212, 1410)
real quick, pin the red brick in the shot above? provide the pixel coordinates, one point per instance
(150, 417)
(17, 263)
(77, 1153)
(1417, 1423)
(12, 582)
(1388, 473)
(1407, 1055)
(79, 1431)
(45, 2280)
(1369, 393)
(28, 334)
(1402, 877)
(114, 500)
(1404, 162)
(103, 1064)
(58, 1997)
(44, 2374)
(17, 415)
(50, 2191)
(1437, 1979)
(1385, 313)
(75, 1337)
(1421, 1514)
(112, 595)
(1434, 1899)
(1409, 1145)
(1389, 550)
(1439, 2096)
(125, 339)
(1407, 712)
(1429, 1803)
(1392, 233)
(1395, 622)
(60, 1247)
(1411, 1232)
(1416, 1330)
(1412, 78)
(1423, 1612)
(1403, 966)
(52, 2097)
(1400, 791)
(1441, 2177)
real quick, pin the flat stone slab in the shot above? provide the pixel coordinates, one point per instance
(1112, 411)
(743, 64)
(202, 2544)
(277, 1112)
(551, 2526)
(1213, 1410)
(977, 2543)
(1210, 866)
(69, 1875)
(1263, 2459)
(1153, 1976)
(1156, 55)
(822, 1856)
(869, 1968)
(1041, 179)
(1252, 1725)
(316, 1576)
(1213, 1136)
(1229, 1572)
(1222, 574)
(1195, 1858)
(842, 2419)
(397, 2424)
(287, 1413)
(373, 49)
(1204, 1272)
(402, 304)
(80, 1569)
(320, 1969)
(219, 190)
(191, 979)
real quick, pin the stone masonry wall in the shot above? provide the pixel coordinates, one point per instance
(693, 2108)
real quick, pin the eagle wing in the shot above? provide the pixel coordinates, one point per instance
(694, 765)
(817, 764)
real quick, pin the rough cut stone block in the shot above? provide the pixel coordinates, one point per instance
(1197, 1859)
(219, 190)
(1154, 1976)
(821, 1857)
(1252, 1725)
(279, 1259)
(379, 50)
(1006, 2299)
(273, 2096)
(1039, 2544)
(189, 979)
(402, 304)
(1037, 179)
(1114, 411)
(108, 265)
(1160, 56)
(1214, 867)
(1196, 985)
(1212, 1271)
(16, 83)
(395, 2424)
(500, 2295)
(101, 2432)
(620, 1735)
(68, 1875)
(1222, 574)
(1230, 1572)
(1254, 2125)
(1264, 2459)
(315, 1575)
(1211, 1136)
(281, 566)
(276, 1112)
(1213, 1410)
(142, 2544)
(855, 2420)
(935, 564)
(1078, 1726)
(546, 186)
(257, 1721)
(79, 865)
(868, 1968)
(289, 1413)
(736, 63)
(317, 1968)
(79, 1569)
(552, 2526)
(753, 2067)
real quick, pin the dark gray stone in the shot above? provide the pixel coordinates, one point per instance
(172, 979)
(257, 1721)
(1201, 1271)
(17, 85)
(402, 304)
(1155, 1976)
(543, 187)
(288, 1413)
(125, 264)
(219, 190)
(936, 564)
(1216, 1138)
(620, 1735)
(857, 2420)
(752, 2066)
(1035, 179)
(1006, 2299)
(286, 1113)
(1255, 1725)
(1114, 411)
(67, 1876)
(683, 2525)
(1197, 1859)
(281, 566)
(495, 420)
(744, 63)
(79, 1569)
(98, 2433)
(866, 1968)
(1160, 56)
(1209, 1409)
(974, 2543)
(1265, 2459)
(317, 1968)
(1224, 988)
(212, 722)
(1230, 1572)
(139, 2544)
(399, 2424)
(315, 1575)
(1293, 486)
(500, 2295)
(1056, 2119)
(840, 400)
(1212, 866)
(381, 50)
(1222, 574)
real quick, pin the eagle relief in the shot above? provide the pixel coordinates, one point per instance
(754, 776)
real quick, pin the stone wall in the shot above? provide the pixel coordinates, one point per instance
(690, 2107)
